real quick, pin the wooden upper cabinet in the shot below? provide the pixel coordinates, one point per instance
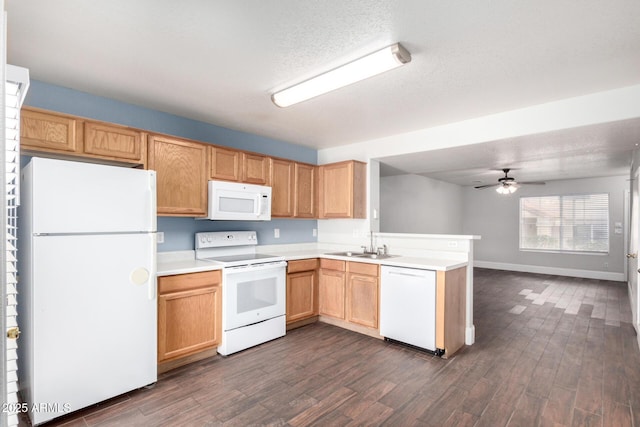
(49, 132)
(342, 190)
(305, 191)
(282, 188)
(181, 168)
(118, 142)
(225, 164)
(255, 169)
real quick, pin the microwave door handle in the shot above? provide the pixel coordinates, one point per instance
(259, 197)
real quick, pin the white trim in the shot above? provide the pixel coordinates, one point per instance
(541, 269)
(470, 335)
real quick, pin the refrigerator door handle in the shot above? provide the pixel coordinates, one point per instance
(140, 276)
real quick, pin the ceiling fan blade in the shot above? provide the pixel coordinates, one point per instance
(485, 186)
(533, 183)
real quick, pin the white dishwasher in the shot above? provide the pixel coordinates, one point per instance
(408, 306)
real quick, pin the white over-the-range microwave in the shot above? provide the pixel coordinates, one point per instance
(237, 201)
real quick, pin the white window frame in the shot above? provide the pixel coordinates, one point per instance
(562, 226)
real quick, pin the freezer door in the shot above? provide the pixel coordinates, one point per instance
(74, 197)
(93, 318)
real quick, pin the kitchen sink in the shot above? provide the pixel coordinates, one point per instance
(347, 253)
(376, 256)
(362, 255)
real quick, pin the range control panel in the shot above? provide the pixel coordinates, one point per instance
(221, 239)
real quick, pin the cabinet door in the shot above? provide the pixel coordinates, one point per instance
(181, 176)
(282, 187)
(301, 295)
(49, 132)
(115, 142)
(362, 300)
(342, 189)
(255, 169)
(332, 293)
(225, 164)
(187, 322)
(305, 191)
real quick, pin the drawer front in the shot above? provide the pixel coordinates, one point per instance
(363, 268)
(183, 282)
(302, 265)
(332, 264)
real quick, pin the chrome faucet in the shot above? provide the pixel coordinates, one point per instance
(372, 248)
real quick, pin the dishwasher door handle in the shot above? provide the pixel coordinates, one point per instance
(398, 273)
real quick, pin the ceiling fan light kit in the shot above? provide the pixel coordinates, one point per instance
(508, 185)
(506, 189)
(370, 65)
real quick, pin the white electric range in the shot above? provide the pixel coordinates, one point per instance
(253, 288)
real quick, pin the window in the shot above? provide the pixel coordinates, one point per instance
(578, 223)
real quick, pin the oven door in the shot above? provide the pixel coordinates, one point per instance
(253, 293)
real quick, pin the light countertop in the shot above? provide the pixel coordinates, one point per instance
(185, 262)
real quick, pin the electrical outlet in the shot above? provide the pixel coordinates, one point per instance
(606, 265)
(276, 233)
(315, 232)
(160, 236)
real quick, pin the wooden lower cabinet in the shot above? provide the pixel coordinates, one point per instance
(332, 284)
(189, 314)
(362, 296)
(451, 304)
(350, 291)
(302, 290)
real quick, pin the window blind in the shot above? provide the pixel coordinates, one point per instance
(571, 223)
(15, 89)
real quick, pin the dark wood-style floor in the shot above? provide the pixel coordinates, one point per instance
(550, 351)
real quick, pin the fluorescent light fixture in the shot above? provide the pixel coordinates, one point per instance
(368, 66)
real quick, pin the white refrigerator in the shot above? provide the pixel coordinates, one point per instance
(87, 284)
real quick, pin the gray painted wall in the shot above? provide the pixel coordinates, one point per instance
(179, 231)
(417, 204)
(496, 218)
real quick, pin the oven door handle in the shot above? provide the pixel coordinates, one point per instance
(255, 267)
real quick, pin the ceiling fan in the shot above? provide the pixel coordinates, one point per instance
(508, 184)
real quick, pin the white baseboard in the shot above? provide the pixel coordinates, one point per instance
(571, 272)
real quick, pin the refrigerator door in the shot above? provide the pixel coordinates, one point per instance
(93, 319)
(74, 197)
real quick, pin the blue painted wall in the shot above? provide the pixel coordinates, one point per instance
(179, 231)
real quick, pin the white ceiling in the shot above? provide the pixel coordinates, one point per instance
(219, 61)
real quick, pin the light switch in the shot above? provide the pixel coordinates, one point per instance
(160, 236)
(276, 233)
(617, 228)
